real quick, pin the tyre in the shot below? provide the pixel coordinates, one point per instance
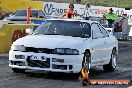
(86, 60)
(16, 70)
(112, 64)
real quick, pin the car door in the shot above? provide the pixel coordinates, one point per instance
(98, 44)
(109, 42)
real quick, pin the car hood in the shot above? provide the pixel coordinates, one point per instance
(50, 41)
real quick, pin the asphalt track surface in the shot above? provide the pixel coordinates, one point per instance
(33, 79)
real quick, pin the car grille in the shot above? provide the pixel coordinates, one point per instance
(39, 50)
(39, 63)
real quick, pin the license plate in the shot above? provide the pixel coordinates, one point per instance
(42, 58)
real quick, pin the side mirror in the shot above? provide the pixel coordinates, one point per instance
(110, 30)
(29, 31)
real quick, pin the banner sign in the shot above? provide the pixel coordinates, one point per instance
(58, 9)
(53, 9)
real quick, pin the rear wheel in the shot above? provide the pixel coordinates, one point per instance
(112, 64)
(18, 70)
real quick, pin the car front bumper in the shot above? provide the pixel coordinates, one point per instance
(28, 60)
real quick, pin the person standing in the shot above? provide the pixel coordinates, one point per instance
(87, 11)
(110, 17)
(70, 13)
(125, 26)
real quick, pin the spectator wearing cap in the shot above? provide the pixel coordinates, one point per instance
(110, 17)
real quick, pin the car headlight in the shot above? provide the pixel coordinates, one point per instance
(66, 51)
(18, 48)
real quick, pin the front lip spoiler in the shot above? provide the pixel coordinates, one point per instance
(50, 71)
(41, 69)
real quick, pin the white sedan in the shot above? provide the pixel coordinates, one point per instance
(64, 45)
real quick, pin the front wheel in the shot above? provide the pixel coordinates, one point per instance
(86, 64)
(112, 64)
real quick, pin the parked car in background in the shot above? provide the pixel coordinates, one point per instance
(20, 15)
(65, 45)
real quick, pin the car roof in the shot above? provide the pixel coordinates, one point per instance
(88, 21)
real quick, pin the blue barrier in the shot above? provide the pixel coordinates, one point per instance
(37, 21)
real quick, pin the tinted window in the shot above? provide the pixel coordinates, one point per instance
(66, 28)
(104, 32)
(33, 13)
(41, 14)
(95, 30)
(21, 13)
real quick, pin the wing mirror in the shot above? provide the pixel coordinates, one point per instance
(29, 31)
(110, 30)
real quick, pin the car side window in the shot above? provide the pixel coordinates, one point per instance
(41, 14)
(34, 13)
(104, 32)
(96, 33)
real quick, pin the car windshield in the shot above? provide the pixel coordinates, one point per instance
(65, 28)
(34, 13)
